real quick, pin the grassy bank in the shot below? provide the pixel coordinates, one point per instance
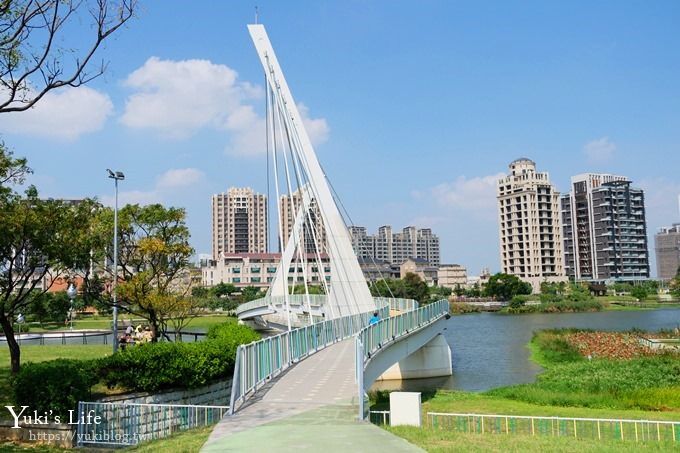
(621, 380)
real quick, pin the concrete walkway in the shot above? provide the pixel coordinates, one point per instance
(311, 407)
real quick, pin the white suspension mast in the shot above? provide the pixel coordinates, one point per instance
(348, 291)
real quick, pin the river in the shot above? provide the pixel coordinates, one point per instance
(489, 349)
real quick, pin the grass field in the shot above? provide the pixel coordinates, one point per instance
(186, 442)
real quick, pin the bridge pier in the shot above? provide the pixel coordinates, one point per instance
(431, 360)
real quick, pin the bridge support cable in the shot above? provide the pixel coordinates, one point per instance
(347, 292)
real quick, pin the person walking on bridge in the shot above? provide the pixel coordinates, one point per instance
(374, 319)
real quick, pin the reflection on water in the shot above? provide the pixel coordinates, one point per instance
(489, 349)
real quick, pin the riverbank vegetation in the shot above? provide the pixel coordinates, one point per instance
(588, 374)
(600, 370)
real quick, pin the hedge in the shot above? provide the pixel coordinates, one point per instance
(54, 387)
(58, 385)
(156, 366)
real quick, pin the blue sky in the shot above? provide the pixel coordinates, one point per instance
(415, 107)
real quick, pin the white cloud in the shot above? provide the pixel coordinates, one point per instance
(250, 131)
(317, 129)
(179, 178)
(177, 98)
(599, 151)
(474, 194)
(65, 114)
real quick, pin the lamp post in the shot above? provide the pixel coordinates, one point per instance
(116, 176)
(71, 292)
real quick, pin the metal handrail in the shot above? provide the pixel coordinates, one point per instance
(388, 330)
(260, 361)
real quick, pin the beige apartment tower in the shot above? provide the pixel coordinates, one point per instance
(313, 228)
(529, 225)
(239, 222)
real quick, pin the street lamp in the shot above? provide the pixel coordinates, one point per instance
(71, 292)
(116, 176)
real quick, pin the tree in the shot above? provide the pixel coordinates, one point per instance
(639, 292)
(505, 287)
(223, 289)
(40, 240)
(675, 284)
(33, 44)
(153, 260)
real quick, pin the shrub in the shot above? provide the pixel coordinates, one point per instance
(156, 366)
(54, 387)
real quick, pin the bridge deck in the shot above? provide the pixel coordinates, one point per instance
(312, 406)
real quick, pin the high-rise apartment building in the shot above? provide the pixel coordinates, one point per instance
(313, 228)
(395, 248)
(239, 222)
(605, 232)
(529, 225)
(667, 247)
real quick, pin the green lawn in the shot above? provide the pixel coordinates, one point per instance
(186, 442)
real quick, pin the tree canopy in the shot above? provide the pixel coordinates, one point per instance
(40, 240)
(153, 259)
(37, 53)
(505, 287)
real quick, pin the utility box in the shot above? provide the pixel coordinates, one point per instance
(405, 408)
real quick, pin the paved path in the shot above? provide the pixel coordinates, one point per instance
(312, 406)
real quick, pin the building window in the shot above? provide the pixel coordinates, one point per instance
(271, 270)
(236, 280)
(255, 270)
(255, 279)
(236, 270)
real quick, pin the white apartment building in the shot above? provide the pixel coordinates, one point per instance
(239, 222)
(259, 270)
(452, 275)
(395, 248)
(529, 225)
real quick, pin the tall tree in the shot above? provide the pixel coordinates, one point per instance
(40, 240)
(153, 258)
(505, 287)
(34, 43)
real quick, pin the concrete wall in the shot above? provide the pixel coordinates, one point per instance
(216, 394)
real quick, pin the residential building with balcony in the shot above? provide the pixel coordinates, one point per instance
(259, 270)
(604, 229)
(529, 225)
(667, 248)
(395, 248)
(239, 222)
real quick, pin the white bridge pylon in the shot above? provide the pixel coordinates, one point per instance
(292, 155)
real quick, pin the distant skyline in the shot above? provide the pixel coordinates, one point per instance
(415, 108)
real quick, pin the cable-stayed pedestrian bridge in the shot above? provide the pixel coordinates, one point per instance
(405, 345)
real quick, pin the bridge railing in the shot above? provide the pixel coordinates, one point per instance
(388, 329)
(315, 300)
(397, 304)
(260, 361)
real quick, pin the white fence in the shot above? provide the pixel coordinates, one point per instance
(122, 424)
